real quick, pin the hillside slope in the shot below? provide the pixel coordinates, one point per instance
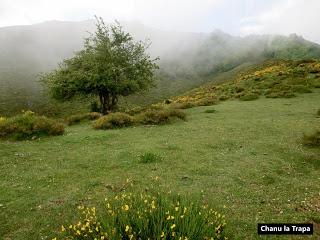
(272, 79)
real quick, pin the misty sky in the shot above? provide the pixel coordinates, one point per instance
(239, 17)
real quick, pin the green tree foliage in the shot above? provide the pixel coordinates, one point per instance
(111, 64)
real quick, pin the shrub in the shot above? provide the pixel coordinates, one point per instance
(94, 115)
(210, 111)
(147, 216)
(239, 95)
(160, 116)
(167, 101)
(207, 102)
(301, 89)
(239, 89)
(312, 139)
(29, 125)
(114, 120)
(183, 105)
(249, 97)
(75, 119)
(318, 113)
(149, 158)
(137, 110)
(175, 113)
(223, 97)
(316, 84)
(280, 94)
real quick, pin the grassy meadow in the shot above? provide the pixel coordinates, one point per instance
(246, 156)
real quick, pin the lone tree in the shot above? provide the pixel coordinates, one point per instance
(111, 64)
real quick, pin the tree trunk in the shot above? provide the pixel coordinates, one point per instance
(103, 103)
(114, 101)
(107, 102)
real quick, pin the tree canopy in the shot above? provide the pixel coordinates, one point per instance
(111, 64)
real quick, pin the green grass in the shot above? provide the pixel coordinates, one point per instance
(210, 111)
(248, 158)
(149, 157)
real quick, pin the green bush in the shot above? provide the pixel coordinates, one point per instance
(312, 139)
(160, 116)
(114, 120)
(239, 89)
(207, 102)
(75, 119)
(167, 101)
(28, 125)
(145, 216)
(149, 158)
(137, 110)
(224, 97)
(94, 115)
(301, 89)
(249, 97)
(280, 94)
(183, 105)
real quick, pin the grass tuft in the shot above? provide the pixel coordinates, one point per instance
(149, 157)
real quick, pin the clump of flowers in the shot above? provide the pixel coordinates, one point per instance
(148, 216)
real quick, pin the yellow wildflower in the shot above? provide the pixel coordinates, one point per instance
(173, 226)
(125, 207)
(153, 206)
(127, 228)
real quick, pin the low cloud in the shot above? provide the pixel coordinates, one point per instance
(234, 16)
(291, 16)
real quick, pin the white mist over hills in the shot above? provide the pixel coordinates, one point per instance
(187, 59)
(237, 17)
(45, 44)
